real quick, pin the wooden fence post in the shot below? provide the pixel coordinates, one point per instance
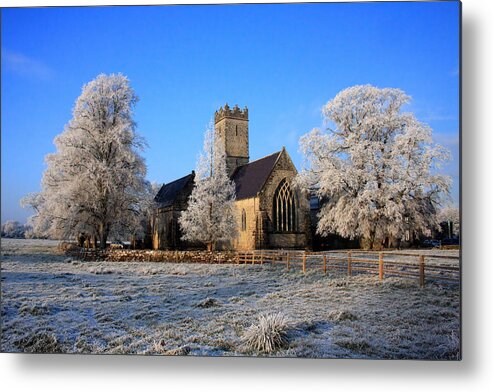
(349, 269)
(237, 257)
(261, 257)
(253, 257)
(325, 264)
(421, 271)
(287, 262)
(304, 262)
(380, 266)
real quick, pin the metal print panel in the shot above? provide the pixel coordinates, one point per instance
(275, 180)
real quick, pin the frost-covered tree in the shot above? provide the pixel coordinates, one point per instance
(210, 215)
(13, 229)
(95, 181)
(450, 216)
(375, 168)
(148, 208)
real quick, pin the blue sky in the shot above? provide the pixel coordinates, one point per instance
(282, 61)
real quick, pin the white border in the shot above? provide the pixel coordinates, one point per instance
(127, 373)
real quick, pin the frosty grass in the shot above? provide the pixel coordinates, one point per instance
(51, 303)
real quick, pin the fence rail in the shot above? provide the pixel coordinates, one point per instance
(423, 267)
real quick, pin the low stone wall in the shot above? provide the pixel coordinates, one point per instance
(196, 256)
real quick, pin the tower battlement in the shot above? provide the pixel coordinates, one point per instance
(231, 127)
(227, 112)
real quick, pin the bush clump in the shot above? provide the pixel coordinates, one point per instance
(269, 334)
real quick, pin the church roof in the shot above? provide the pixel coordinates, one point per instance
(169, 192)
(250, 178)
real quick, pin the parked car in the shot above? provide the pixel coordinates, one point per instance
(431, 244)
(450, 241)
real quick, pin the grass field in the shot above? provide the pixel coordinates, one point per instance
(51, 303)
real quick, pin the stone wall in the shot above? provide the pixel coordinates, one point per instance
(246, 238)
(169, 256)
(287, 240)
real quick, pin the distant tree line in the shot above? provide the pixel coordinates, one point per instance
(14, 229)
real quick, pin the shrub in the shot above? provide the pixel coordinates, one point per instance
(269, 334)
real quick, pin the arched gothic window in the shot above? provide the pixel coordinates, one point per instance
(284, 208)
(243, 220)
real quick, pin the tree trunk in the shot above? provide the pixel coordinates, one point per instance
(211, 246)
(102, 245)
(103, 235)
(80, 240)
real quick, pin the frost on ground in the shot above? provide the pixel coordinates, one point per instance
(54, 304)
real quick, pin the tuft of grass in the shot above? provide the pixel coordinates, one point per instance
(100, 270)
(179, 271)
(159, 347)
(224, 345)
(149, 271)
(452, 350)
(35, 310)
(358, 345)
(42, 343)
(237, 300)
(341, 315)
(180, 351)
(82, 346)
(269, 334)
(208, 303)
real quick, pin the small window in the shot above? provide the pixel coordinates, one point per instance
(243, 220)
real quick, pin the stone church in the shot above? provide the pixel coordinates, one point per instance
(270, 213)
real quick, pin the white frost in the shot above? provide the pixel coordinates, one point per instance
(210, 216)
(375, 172)
(95, 181)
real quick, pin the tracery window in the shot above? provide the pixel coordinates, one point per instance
(284, 208)
(243, 220)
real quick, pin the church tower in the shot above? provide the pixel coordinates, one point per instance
(231, 126)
